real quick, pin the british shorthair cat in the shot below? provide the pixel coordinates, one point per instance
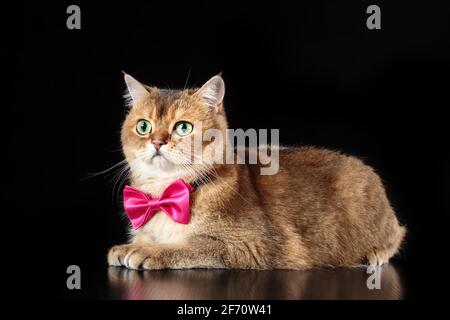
(322, 208)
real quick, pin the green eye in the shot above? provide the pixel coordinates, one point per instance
(143, 127)
(183, 128)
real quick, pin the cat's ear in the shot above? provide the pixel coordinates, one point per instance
(136, 90)
(212, 92)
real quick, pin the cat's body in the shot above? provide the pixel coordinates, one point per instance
(321, 209)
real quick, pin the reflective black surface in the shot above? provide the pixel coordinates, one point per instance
(245, 284)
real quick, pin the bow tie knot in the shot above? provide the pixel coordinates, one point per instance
(174, 200)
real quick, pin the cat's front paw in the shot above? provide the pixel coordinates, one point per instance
(133, 256)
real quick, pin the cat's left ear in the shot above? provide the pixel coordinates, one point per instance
(212, 92)
(136, 90)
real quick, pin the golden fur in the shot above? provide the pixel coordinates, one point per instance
(322, 208)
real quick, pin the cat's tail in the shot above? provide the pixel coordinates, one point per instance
(391, 246)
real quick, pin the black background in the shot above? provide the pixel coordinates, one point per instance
(311, 69)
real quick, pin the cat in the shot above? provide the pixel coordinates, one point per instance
(322, 208)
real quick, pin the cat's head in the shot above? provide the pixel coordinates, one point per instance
(161, 125)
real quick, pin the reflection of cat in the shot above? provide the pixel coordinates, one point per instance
(322, 208)
(339, 283)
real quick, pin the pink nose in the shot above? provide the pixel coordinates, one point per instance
(158, 143)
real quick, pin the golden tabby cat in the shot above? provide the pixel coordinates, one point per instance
(322, 208)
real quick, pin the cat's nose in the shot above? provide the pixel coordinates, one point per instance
(158, 143)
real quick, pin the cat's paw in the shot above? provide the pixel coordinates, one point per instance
(133, 256)
(117, 254)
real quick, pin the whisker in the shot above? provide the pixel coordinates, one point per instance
(92, 175)
(187, 78)
(204, 177)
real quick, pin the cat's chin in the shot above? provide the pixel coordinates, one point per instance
(157, 167)
(160, 162)
(149, 166)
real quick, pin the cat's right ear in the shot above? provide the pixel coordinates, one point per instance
(136, 90)
(212, 92)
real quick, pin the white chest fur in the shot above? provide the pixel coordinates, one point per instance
(162, 229)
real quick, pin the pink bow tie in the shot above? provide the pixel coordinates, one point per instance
(141, 207)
